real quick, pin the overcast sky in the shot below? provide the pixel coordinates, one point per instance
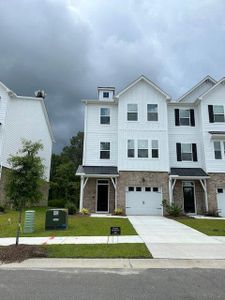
(68, 48)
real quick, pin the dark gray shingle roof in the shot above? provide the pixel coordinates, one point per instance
(92, 170)
(188, 172)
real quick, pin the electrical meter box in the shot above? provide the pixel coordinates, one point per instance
(56, 218)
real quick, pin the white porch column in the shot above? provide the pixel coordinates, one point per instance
(170, 191)
(81, 191)
(115, 189)
(204, 186)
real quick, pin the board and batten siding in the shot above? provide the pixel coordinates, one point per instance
(96, 133)
(142, 94)
(25, 119)
(216, 97)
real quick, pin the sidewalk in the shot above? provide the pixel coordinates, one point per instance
(56, 240)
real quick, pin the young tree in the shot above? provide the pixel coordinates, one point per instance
(24, 179)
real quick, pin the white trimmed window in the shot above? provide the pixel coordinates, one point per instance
(155, 148)
(217, 150)
(132, 112)
(218, 112)
(186, 152)
(184, 117)
(104, 150)
(152, 112)
(130, 149)
(104, 115)
(142, 148)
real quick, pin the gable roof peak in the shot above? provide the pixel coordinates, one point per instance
(205, 79)
(151, 83)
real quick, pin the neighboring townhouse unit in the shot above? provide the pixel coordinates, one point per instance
(142, 147)
(23, 118)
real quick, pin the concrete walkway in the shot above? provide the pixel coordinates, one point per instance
(166, 238)
(58, 240)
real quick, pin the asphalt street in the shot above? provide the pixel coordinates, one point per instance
(100, 284)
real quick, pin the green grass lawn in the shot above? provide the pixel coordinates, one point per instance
(98, 251)
(77, 225)
(209, 227)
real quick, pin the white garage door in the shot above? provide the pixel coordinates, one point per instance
(143, 201)
(221, 201)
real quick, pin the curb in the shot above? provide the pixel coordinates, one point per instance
(52, 263)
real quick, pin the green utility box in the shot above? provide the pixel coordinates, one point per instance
(56, 218)
(29, 221)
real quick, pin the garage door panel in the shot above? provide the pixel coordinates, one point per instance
(144, 202)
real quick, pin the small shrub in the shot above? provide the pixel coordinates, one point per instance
(2, 209)
(71, 208)
(173, 209)
(84, 211)
(118, 211)
(59, 203)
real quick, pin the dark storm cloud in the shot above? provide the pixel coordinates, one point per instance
(68, 48)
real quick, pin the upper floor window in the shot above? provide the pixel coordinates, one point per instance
(184, 117)
(155, 149)
(219, 149)
(132, 112)
(152, 112)
(130, 148)
(186, 152)
(143, 148)
(105, 94)
(216, 113)
(104, 150)
(105, 116)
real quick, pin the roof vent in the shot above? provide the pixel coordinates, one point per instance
(40, 94)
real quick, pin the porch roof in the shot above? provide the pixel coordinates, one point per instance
(188, 173)
(97, 171)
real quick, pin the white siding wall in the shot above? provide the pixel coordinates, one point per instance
(142, 94)
(25, 119)
(216, 97)
(96, 133)
(185, 134)
(3, 107)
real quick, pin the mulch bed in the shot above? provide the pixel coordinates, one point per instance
(21, 252)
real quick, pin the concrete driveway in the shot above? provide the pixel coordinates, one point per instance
(166, 238)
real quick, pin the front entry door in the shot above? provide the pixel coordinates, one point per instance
(102, 195)
(189, 199)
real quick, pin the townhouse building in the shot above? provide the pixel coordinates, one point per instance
(23, 117)
(142, 147)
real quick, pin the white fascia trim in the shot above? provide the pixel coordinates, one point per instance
(97, 175)
(212, 88)
(196, 86)
(188, 177)
(96, 101)
(142, 77)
